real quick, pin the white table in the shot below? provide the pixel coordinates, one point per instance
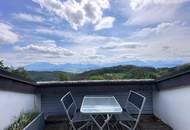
(98, 105)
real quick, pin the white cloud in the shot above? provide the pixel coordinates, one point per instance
(152, 15)
(106, 22)
(79, 38)
(122, 46)
(96, 57)
(147, 12)
(76, 13)
(166, 41)
(48, 51)
(46, 48)
(139, 4)
(147, 32)
(162, 40)
(7, 36)
(28, 17)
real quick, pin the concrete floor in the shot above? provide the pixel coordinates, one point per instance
(147, 122)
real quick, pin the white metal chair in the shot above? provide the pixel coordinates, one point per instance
(74, 116)
(127, 119)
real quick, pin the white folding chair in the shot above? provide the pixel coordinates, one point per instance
(74, 116)
(128, 119)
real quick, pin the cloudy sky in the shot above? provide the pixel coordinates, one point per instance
(94, 31)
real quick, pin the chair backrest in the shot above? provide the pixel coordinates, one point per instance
(69, 106)
(137, 100)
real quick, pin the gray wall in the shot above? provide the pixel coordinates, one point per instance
(171, 102)
(51, 95)
(16, 96)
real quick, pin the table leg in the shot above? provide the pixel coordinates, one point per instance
(105, 121)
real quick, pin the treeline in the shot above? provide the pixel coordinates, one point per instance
(107, 73)
(50, 76)
(124, 72)
(110, 73)
(16, 71)
(131, 72)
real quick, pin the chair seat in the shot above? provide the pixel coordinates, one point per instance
(124, 116)
(79, 117)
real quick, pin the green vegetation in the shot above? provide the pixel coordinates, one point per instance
(23, 120)
(19, 71)
(122, 72)
(109, 73)
(49, 75)
(3, 67)
(63, 77)
(96, 77)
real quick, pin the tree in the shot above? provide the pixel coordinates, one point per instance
(21, 72)
(96, 77)
(3, 67)
(1, 64)
(63, 77)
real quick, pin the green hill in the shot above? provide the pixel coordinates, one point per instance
(49, 75)
(109, 73)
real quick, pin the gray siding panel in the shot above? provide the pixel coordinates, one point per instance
(15, 86)
(174, 82)
(51, 98)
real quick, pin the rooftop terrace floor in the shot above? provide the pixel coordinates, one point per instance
(147, 122)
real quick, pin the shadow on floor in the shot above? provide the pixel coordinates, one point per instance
(147, 122)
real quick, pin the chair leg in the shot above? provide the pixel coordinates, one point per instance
(114, 126)
(138, 127)
(108, 127)
(117, 127)
(91, 127)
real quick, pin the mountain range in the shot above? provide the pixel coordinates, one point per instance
(108, 73)
(79, 68)
(74, 68)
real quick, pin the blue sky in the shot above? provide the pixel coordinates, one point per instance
(94, 32)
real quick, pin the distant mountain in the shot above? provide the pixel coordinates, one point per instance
(74, 68)
(110, 73)
(39, 66)
(46, 75)
(79, 68)
(106, 73)
(155, 64)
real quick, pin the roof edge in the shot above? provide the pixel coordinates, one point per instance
(171, 76)
(9, 75)
(96, 81)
